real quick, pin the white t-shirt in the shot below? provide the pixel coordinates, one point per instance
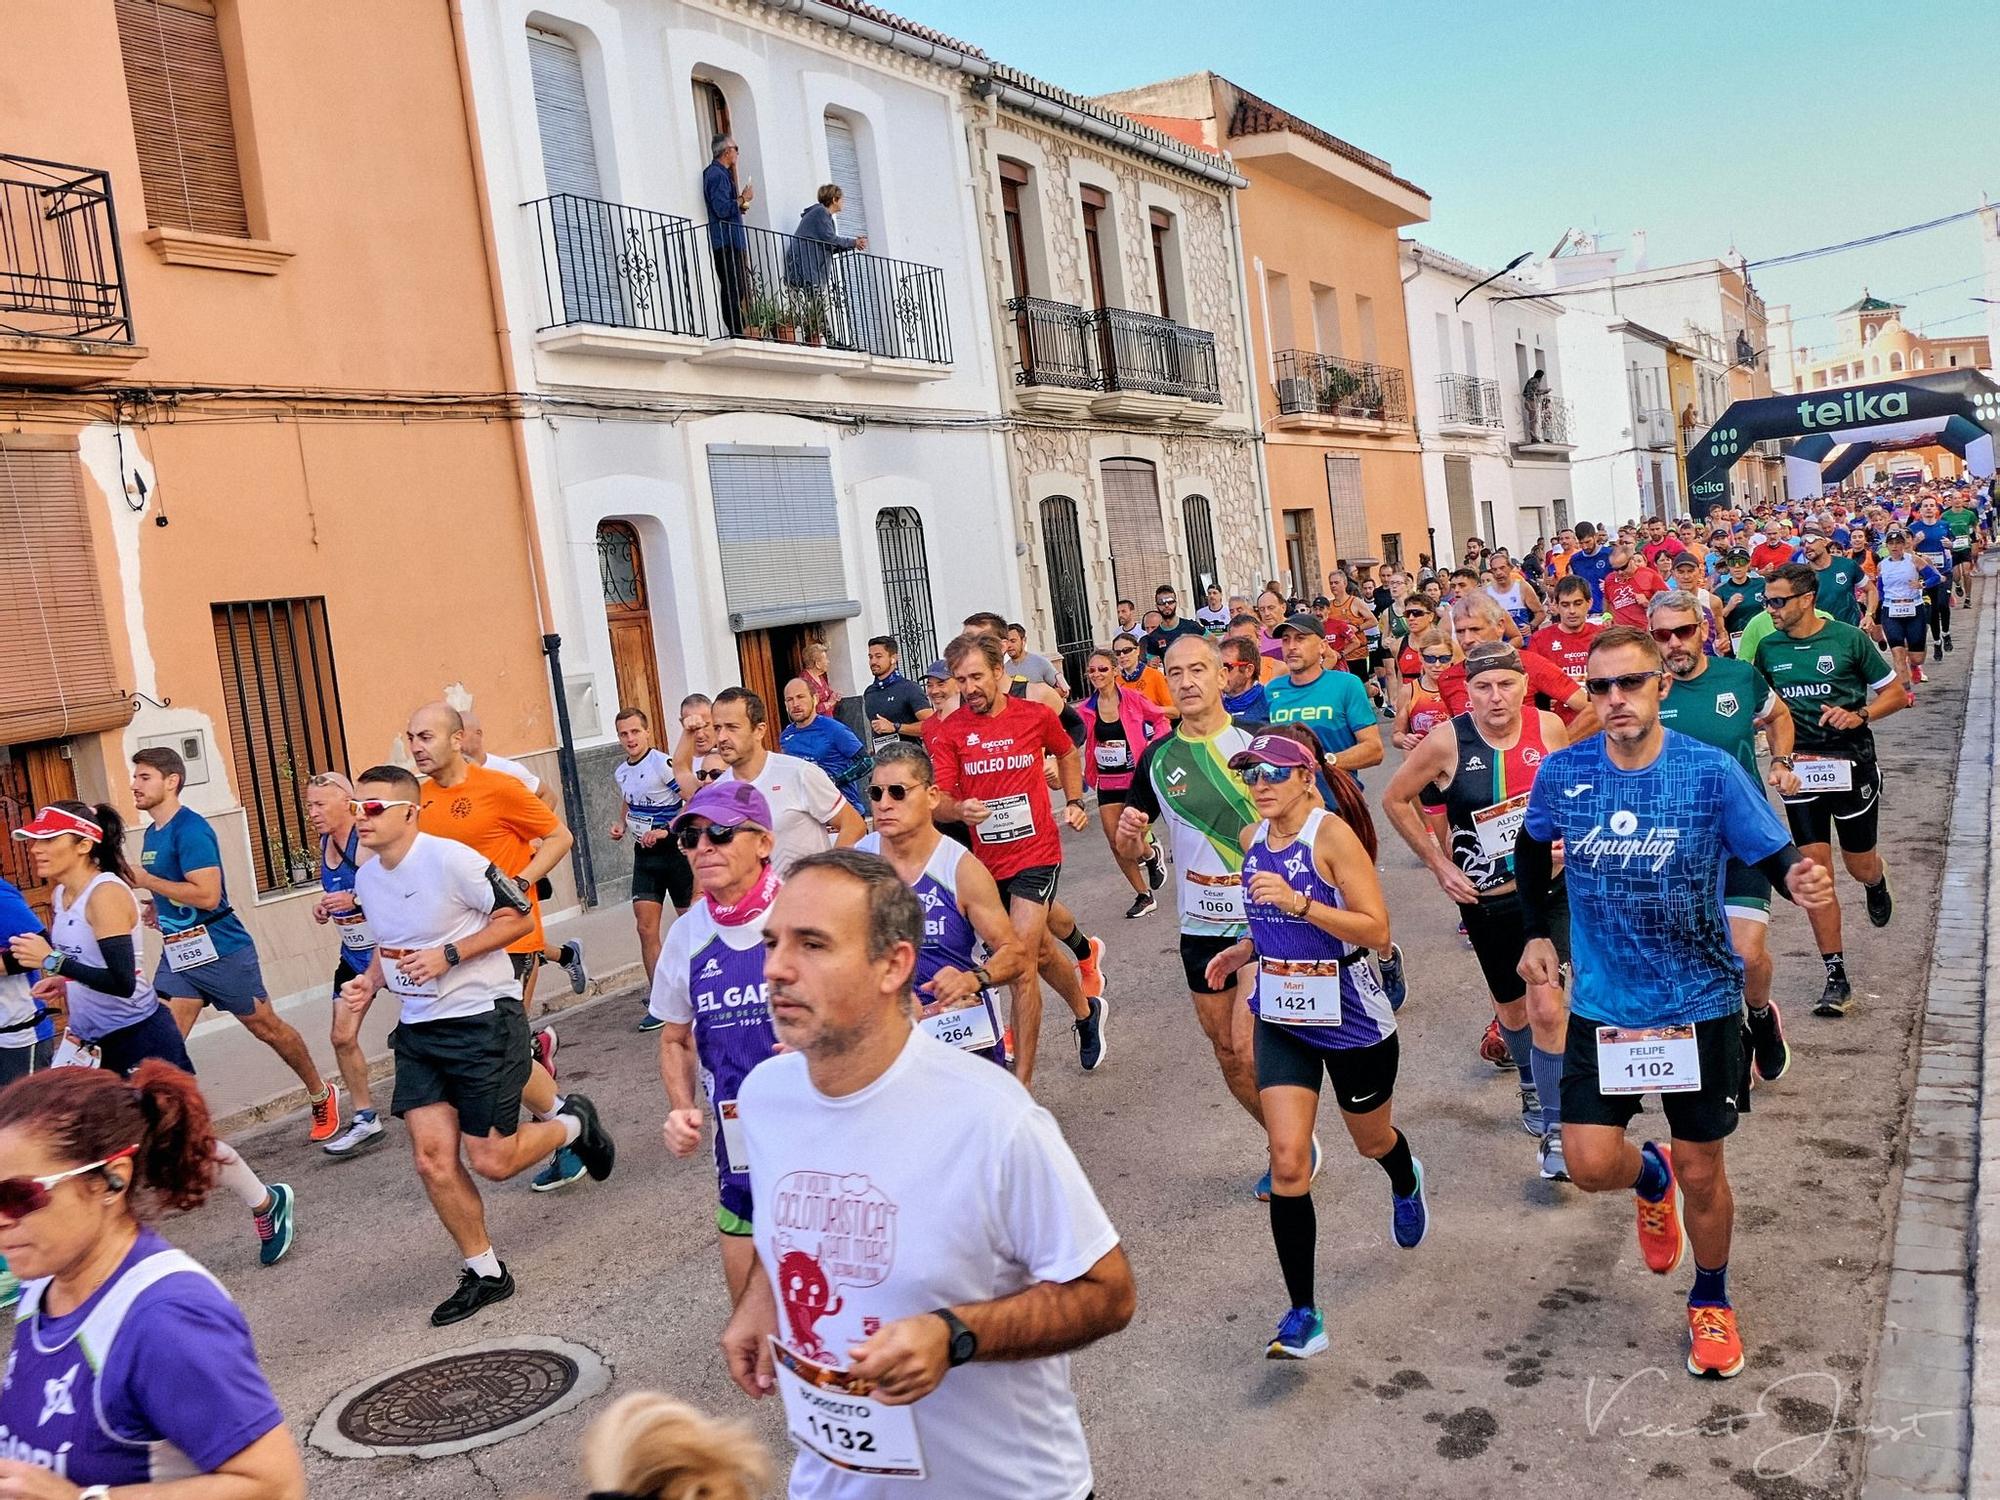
(803, 801)
(514, 769)
(940, 1183)
(441, 892)
(651, 792)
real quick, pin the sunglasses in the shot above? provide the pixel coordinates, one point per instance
(1676, 633)
(1126, 651)
(1776, 602)
(895, 790)
(1266, 775)
(374, 807)
(1625, 682)
(21, 1196)
(1436, 661)
(708, 775)
(720, 835)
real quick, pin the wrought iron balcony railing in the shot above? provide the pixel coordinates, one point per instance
(1057, 345)
(1326, 384)
(623, 267)
(1546, 420)
(1112, 349)
(1468, 401)
(62, 272)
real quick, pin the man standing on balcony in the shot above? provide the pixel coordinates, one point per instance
(728, 240)
(1534, 399)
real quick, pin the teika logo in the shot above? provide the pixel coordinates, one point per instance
(1853, 407)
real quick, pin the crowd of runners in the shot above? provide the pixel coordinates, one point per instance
(846, 995)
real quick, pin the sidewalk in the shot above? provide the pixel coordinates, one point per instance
(245, 1082)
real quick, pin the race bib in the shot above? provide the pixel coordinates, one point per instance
(1961, 544)
(1933, 558)
(831, 1413)
(189, 949)
(1497, 827)
(649, 819)
(71, 1053)
(1007, 819)
(968, 1025)
(1902, 609)
(1647, 1060)
(734, 1149)
(1824, 773)
(1215, 898)
(355, 935)
(1299, 992)
(1736, 643)
(400, 984)
(1115, 755)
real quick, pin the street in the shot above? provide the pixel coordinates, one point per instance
(1523, 1345)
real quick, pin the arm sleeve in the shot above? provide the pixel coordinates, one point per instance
(184, 1369)
(1050, 1219)
(1776, 867)
(118, 975)
(1534, 870)
(1141, 794)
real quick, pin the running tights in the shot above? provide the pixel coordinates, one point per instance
(1940, 602)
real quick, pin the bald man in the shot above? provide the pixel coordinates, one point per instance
(825, 741)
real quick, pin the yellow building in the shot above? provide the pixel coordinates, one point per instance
(1871, 343)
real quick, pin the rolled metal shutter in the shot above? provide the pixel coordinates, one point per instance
(178, 90)
(777, 526)
(843, 164)
(1140, 561)
(562, 115)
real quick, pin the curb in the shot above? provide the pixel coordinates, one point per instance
(620, 981)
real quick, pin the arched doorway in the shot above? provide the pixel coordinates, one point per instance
(621, 568)
(1069, 599)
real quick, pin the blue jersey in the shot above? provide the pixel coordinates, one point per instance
(1932, 542)
(1592, 567)
(186, 844)
(1334, 706)
(1643, 856)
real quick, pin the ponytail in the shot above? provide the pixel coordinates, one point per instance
(1348, 803)
(651, 1447)
(87, 1114)
(108, 853)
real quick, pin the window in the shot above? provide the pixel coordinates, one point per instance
(61, 678)
(1301, 551)
(1344, 502)
(1161, 224)
(906, 583)
(1326, 319)
(1392, 549)
(1140, 561)
(1094, 235)
(1458, 501)
(1489, 535)
(1562, 513)
(178, 89)
(1364, 323)
(1471, 351)
(843, 163)
(1278, 310)
(1201, 546)
(562, 116)
(284, 726)
(1014, 182)
(1445, 366)
(777, 523)
(1069, 599)
(1895, 363)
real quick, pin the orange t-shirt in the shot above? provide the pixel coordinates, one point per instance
(496, 815)
(1151, 685)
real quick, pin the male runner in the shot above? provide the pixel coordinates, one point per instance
(443, 917)
(1647, 818)
(1566, 641)
(810, 812)
(962, 907)
(1777, 548)
(809, 735)
(1332, 704)
(329, 810)
(1629, 584)
(650, 798)
(1172, 626)
(697, 733)
(1724, 702)
(1242, 692)
(207, 955)
(988, 757)
(1476, 619)
(1826, 672)
(1961, 521)
(1591, 562)
(1843, 589)
(1741, 595)
(1515, 594)
(708, 994)
(895, 706)
(1486, 760)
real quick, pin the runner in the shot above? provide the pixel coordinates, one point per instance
(954, 1332)
(811, 814)
(1591, 562)
(942, 690)
(27, 1034)
(1566, 642)
(1741, 594)
(1118, 726)
(894, 706)
(1487, 760)
(1331, 703)
(809, 735)
(1647, 818)
(1242, 686)
(1478, 619)
(1315, 908)
(89, 967)
(1173, 624)
(962, 908)
(1961, 520)
(207, 956)
(1842, 588)
(1826, 672)
(129, 1361)
(1905, 585)
(697, 733)
(1140, 675)
(329, 796)
(446, 922)
(566, 956)
(650, 799)
(1726, 703)
(988, 758)
(1629, 584)
(1515, 594)
(708, 994)
(1931, 539)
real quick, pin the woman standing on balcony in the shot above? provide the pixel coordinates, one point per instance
(809, 257)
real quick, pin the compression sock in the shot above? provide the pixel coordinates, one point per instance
(1654, 1179)
(234, 1174)
(1402, 1170)
(1076, 942)
(485, 1263)
(1548, 1084)
(1711, 1288)
(1520, 1047)
(1836, 965)
(1295, 1233)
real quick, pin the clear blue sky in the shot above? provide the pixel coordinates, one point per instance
(1770, 126)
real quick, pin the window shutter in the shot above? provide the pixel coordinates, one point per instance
(777, 523)
(179, 93)
(1350, 514)
(1140, 561)
(843, 167)
(60, 679)
(562, 114)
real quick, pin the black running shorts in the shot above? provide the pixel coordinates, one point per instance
(1854, 813)
(661, 874)
(1037, 883)
(1364, 1078)
(1708, 1114)
(1494, 926)
(1196, 951)
(476, 1064)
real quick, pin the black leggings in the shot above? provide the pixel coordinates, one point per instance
(1939, 595)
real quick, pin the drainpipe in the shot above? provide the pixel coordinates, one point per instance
(566, 768)
(1267, 531)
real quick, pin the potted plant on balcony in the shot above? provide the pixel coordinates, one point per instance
(812, 320)
(756, 314)
(1337, 388)
(785, 317)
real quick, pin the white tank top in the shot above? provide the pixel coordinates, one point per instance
(93, 1014)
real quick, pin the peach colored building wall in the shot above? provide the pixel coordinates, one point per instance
(314, 459)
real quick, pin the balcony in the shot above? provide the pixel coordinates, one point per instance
(1652, 427)
(64, 315)
(1324, 392)
(1113, 362)
(1468, 404)
(633, 283)
(1546, 427)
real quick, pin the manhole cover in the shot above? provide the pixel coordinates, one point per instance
(466, 1398)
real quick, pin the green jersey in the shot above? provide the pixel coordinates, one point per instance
(1838, 581)
(1188, 782)
(1760, 626)
(1959, 521)
(1720, 707)
(1836, 665)
(1740, 601)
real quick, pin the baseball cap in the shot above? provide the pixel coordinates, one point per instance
(728, 804)
(1686, 560)
(1736, 555)
(53, 822)
(1896, 534)
(1320, 601)
(1273, 750)
(937, 671)
(1302, 622)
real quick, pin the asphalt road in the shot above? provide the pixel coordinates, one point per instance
(1522, 1349)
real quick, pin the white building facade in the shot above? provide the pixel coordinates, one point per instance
(1625, 465)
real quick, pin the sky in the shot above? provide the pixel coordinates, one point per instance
(1767, 125)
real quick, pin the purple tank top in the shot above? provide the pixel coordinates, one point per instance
(949, 939)
(732, 1027)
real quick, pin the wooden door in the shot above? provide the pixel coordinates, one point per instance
(755, 658)
(622, 569)
(31, 777)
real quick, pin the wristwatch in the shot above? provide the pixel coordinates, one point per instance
(1782, 760)
(964, 1342)
(981, 978)
(451, 955)
(52, 965)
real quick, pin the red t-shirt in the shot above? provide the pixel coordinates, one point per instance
(1570, 652)
(1768, 555)
(1544, 677)
(1626, 597)
(1666, 546)
(997, 758)
(1341, 634)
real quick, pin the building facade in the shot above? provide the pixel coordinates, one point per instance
(1870, 342)
(1332, 345)
(224, 527)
